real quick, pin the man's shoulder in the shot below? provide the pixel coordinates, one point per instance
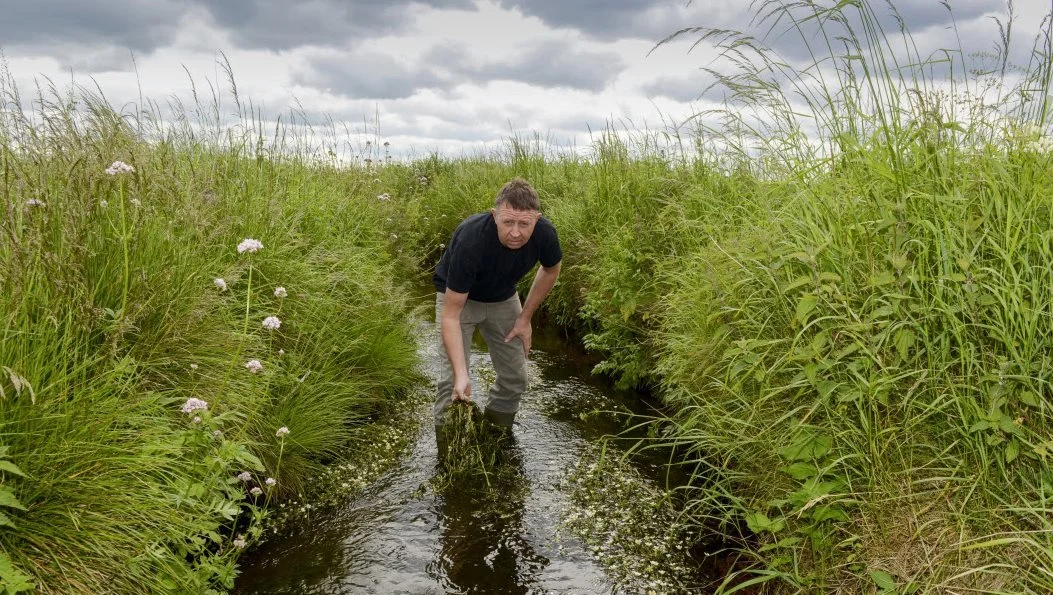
(546, 229)
(469, 233)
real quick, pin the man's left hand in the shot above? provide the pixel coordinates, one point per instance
(522, 330)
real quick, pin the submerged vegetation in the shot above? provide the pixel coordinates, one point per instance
(842, 294)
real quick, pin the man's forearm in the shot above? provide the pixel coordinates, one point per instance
(454, 344)
(544, 280)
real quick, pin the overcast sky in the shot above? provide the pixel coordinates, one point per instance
(456, 76)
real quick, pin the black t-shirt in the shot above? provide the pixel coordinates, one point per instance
(477, 263)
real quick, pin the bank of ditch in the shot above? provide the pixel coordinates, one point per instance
(188, 336)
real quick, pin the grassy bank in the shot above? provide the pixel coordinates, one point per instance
(126, 294)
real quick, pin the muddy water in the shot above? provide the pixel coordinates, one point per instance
(411, 532)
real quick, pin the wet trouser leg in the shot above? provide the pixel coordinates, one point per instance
(471, 315)
(508, 359)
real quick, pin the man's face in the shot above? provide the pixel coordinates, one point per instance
(514, 227)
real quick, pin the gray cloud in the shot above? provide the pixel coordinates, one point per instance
(279, 24)
(677, 88)
(604, 18)
(554, 64)
(140, 25)
(144, 25)
(369, 74)
(366, 73)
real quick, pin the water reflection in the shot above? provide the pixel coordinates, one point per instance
(483, 544)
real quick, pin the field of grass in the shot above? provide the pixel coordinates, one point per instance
(849, 329)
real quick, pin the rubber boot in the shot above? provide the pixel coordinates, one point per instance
(442, 444)
(501, 420)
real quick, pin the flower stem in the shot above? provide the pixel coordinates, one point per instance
(124, 245)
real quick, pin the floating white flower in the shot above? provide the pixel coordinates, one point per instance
(253, 365)
(281, 352)
(35, 202)
(119, 167)
(256, 491)
(220, 283)
(245, 476)
(239, 543)
(197, 419)
(272, 323)
(136, 203)
(193, 404)
(282, 431)
(280, 293)
(104, 203)
(250, 245)
(383, 197)
(218, 433)
(193, 366)
(271, 481)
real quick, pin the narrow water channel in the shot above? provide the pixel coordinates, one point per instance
(409, 533)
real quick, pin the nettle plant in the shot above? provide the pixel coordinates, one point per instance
(12, 580)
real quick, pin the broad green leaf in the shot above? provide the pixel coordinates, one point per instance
(798, 282)
(12, 579)
(829, 512)
(980, 425)
(800, 470)
(8, 499)
(5, 521)
(830, 277)
(904, 341)
(758, 522)
(10, 467)
(784, 542)
(1028, 398)
(883, 580)
(807, 447)
(882, 278)
(804, 307)
(1012, 450)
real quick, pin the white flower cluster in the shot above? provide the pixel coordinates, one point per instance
(272, 323)
(280, 293)
(240, 543)
(254, 366)
(1044, 144)
(383, 197)
(193, 404)
(245, 476)
(220, 283)
(256, 491)
(271, 481)
(282, 431)
(249, 245)
(119, 167)
(35, 202)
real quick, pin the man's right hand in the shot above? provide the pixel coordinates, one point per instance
(462, 389)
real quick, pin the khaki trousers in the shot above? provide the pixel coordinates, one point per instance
(494, 320)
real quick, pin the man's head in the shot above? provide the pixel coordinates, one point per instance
(516, 211)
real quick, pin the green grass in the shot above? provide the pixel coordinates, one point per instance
(111, 321)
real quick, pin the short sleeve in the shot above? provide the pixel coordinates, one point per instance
(549, 251)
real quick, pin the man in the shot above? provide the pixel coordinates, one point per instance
(476, 281)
